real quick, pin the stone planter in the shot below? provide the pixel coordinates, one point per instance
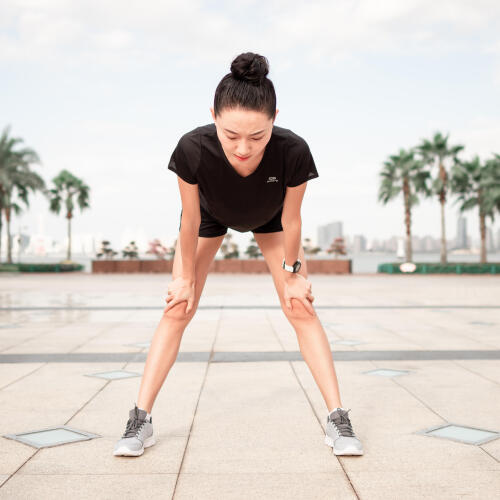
(250, 266)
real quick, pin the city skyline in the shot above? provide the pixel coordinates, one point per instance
(88, 243)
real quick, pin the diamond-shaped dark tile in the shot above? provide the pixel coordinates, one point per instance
(52, 436)
(461, 433)
(114, 374)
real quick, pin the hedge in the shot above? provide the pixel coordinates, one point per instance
(41, 268)
(437, 268)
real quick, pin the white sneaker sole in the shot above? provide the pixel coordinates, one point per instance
(123, 451)
(346, 451)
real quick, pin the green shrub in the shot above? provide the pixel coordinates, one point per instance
(437, 268)
(41, 268)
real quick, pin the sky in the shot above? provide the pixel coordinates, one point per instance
(105, 89)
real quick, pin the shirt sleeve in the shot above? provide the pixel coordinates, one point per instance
(186, 157)
(301, 164)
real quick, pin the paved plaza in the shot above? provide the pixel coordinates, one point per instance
(239, 415)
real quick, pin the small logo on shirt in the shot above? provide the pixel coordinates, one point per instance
(311, 173)
(272, 179)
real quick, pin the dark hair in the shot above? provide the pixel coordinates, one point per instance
(247, 86)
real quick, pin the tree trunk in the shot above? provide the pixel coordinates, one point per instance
(68, 255)
(443, 236)
(482, 226)
(9, 242)
(442, 200)
(406, 193)
(1, 220)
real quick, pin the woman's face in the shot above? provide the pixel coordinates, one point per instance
(243, 133)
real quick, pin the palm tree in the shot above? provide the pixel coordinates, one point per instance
(478, 185)
(308, 247)
(229, 249)
(253, 250)
(16, 179)
(67, 187)
(404, 173)
(434, 153)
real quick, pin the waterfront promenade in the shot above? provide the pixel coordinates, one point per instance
(239, 416)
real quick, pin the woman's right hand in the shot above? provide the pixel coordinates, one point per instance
(180, 290)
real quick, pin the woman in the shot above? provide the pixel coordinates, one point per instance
(244, 173)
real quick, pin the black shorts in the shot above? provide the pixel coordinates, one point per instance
(210, 227)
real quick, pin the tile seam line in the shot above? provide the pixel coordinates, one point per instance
(461, 335)
(397, 382)
(205, 376)
(304, 392)
(110, 327)
(489, 380)
(475, 373)
(42, 364)
(252, 306)
(66, 423)
(140, 474)
(39, 335)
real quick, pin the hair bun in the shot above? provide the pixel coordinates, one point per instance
(250, 67)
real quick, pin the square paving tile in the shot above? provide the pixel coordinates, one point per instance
(461, 433)
(52, 436)
(114, 374)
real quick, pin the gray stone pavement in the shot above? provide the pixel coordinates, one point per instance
(239, 415)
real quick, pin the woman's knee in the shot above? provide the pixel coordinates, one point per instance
(178, 312)
(298, 311)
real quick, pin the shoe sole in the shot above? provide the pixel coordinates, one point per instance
(346, 451)
(125, 452)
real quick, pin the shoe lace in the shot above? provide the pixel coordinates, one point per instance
(342, 423)
(134, 426)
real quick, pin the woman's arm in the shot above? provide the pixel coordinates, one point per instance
(190, 225)
(292, 224)
(296, 286)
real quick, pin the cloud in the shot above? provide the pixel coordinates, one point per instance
(320, 31)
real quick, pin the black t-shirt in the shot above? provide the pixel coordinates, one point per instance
(242, 203)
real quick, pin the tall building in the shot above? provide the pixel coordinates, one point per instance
(359, 243)
(417, 244)
(431, 244)
(327, 233)
(461, 238)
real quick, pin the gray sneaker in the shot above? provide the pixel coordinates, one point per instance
(339, 434)
(137, 436)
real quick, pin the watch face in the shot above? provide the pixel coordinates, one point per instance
(296, 267)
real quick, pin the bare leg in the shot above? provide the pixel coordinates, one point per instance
(311, 336)
(167, 337)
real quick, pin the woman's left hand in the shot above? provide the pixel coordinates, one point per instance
(297, 287)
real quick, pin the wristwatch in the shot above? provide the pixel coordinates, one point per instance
(293, 269)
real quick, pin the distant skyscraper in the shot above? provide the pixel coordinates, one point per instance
(359, 243)
(430, 244)
(327, 233)
(461, 239)
(417, 244)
